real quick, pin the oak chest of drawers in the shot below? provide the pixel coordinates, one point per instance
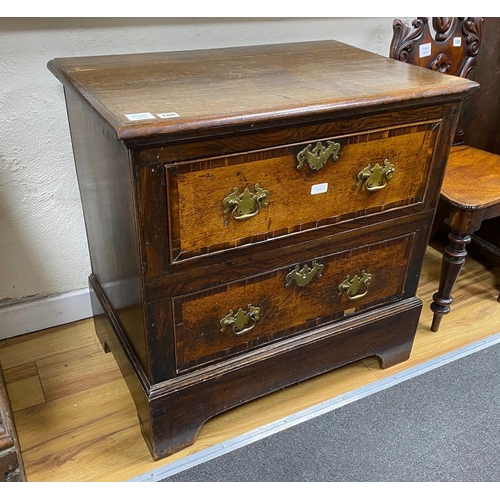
(255, 216)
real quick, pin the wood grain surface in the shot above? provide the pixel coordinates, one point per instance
(478, 171)
(197, 190)
(213, 89)
(284, 311)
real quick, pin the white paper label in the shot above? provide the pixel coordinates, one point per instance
(319, 188)
(172, 114)
(457, 41)
(424, 50)
(139, 116)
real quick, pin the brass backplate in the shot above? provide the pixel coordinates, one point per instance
(317, 157)
(356, 287)
(246, 205)
(241, 321)
(376, 177)
(304, 276)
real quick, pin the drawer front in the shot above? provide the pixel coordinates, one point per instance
(226, 320)
(227, 202)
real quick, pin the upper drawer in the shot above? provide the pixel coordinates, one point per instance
(225, 202)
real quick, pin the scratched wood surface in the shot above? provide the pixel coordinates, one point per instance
(234, 86)
(77, 422)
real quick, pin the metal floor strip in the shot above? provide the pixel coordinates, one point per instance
(312, 412)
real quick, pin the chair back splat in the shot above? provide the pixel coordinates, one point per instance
(450, 47)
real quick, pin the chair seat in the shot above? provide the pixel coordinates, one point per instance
(475, 170)
(470, 192)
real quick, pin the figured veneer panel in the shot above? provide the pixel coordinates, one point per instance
(197, 189)
(286, 310)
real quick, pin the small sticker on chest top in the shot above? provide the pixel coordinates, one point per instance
(172, 114)
(319, 188)
(139, 116)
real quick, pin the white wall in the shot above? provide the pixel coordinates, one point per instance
(43, 248)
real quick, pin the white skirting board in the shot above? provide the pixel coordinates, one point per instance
(28, 316)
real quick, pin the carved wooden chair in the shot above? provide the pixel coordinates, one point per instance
(471, 187)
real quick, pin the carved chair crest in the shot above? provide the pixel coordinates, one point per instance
(452, 48)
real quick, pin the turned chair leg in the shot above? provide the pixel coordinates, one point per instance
(453, 260)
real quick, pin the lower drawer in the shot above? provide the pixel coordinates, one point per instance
(219, 322)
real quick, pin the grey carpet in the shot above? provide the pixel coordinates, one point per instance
(443, 425)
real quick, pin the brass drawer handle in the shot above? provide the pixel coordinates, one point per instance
(317, 157)
(376, 177)
(245, 205)
(241, 322)
(356, 287)
(305, 275)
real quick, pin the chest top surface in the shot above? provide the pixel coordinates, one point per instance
(244, 86)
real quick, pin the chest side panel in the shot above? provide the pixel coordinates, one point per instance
(107, 193)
